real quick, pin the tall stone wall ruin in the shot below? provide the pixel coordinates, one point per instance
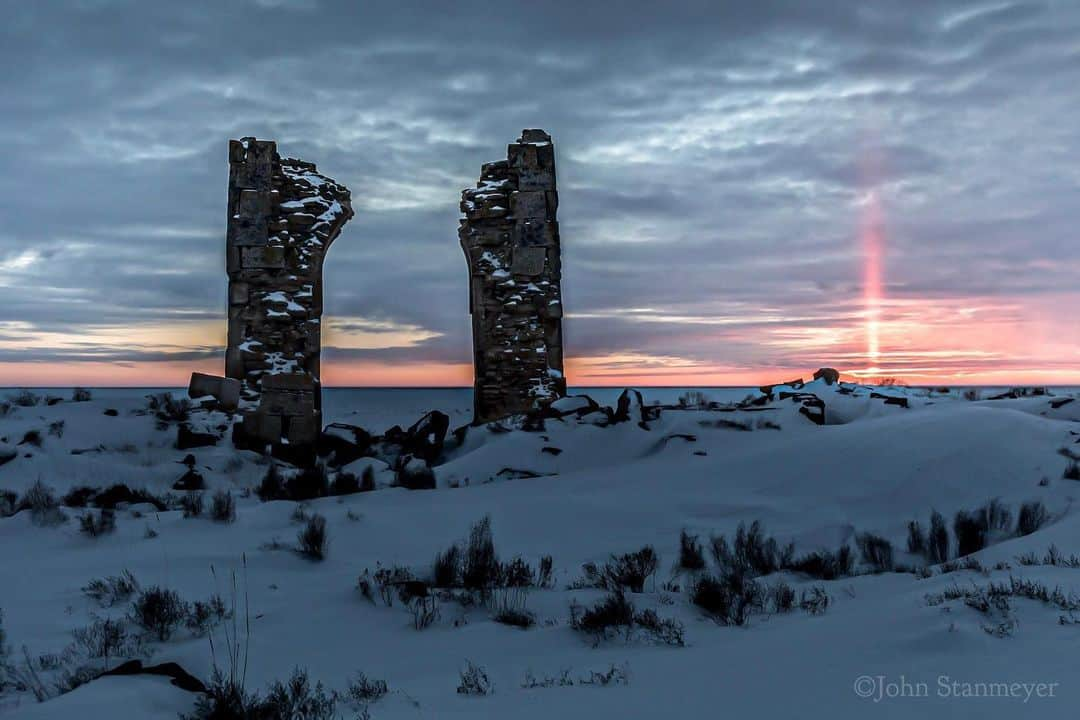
(510, 237)
(283, 217)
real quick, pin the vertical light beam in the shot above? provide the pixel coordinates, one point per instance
(871, 235)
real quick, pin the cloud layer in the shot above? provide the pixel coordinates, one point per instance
(719, 163)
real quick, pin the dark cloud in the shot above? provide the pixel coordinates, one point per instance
(714, 157)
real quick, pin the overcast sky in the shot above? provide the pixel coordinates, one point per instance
(730, 173)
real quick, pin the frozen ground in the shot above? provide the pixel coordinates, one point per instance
(873, 468)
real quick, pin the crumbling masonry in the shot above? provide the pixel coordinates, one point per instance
(511, 241)
(283, 216)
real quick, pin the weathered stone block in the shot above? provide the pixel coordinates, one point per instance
(262, 257)
(238, 293)
(223, 389)
(534, 233)
(528, 261)
(528, 205)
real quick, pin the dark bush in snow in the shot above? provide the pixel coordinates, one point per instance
(5, 653)
(1072, 471)
(81, 395)
(8, 503)
(1032, 517)
(388, 580)
(937, 541)
(814, 600)
(310, 483)
(1053, 557)
(446, 570)
(367, 479)
(613, 613)
(422, 602)
(105, 638)
(192, 504)
(622, 572)
(25, 398)
(168, 410)
(203, 615)
(781, 597)
(222, 507)
(545, 577)
(226, 699)
(113, 589)
(272, 486)
(632, 570)
(364, 690)
(42, 504)
(665, 630)
(876, 551)
(515, 574)
(159, 611)
(298, 699)
(916, 540)
(691, 557)
(475, 681)
(694, 399)
(480, 564)
(973, 529)
(751, 553)
(78, 497)
(825, 565)
(616, 615)
(515, 618)
(56, 428)
(345, 483)
(97, 524)
(31, 437)
(728, 599)
(312, 540)
(415, 474)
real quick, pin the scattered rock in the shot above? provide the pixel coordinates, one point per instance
(344, 443)
(571, 405)
(179, 677)
(111, 412)
(891, 399)
(552, 451)
(191, 480)
(631, 407)
(224, 391)
(829, 375)
(813, 407)
(414, 474)
(186, 438)
(426, 436)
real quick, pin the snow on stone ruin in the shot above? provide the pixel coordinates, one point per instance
(511, 241)
(283, 217)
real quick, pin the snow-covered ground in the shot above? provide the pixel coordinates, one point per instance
(580, 491)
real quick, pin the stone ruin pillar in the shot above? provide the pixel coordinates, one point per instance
(283, 216)
(511, 241)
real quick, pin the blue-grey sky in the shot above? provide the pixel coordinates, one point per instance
(747, 188)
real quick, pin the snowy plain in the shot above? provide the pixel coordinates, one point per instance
(873, 467)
